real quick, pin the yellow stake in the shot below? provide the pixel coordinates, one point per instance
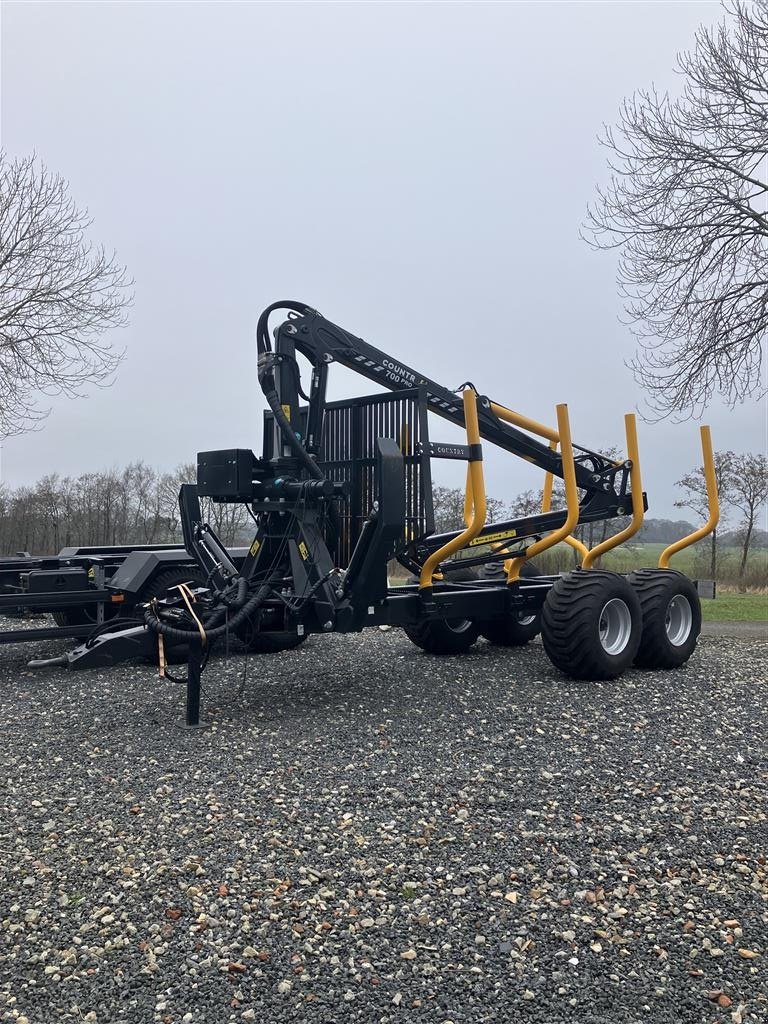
(571, 498)
(712, 499)
(525, 422)
(477, 484)
(630, 428)
(546, 505)
(469, 502)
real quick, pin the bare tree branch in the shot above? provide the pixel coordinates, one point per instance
(59, 294)
(749, 494)
(687, 206)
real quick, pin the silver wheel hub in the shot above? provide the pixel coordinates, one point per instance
(525, 620)
(615, 626)
(458, 625)
(678, 620)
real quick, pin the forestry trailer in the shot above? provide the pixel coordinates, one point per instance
(343, 488)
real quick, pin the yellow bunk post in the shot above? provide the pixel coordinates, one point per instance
(525, 422)
(477, 484)
(469, 502)
(563, 434)
(546, 505)
(712, 498)
(630, 427)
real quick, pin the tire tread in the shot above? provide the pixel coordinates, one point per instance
(654, 589)
(569, 624)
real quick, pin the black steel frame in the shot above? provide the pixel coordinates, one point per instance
(344, 439)
(98, 565)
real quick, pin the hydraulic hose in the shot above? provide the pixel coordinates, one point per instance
(239, 599)
(267, 382)
(262, 327)
(213, 626)
(268, 385)
(112, 626)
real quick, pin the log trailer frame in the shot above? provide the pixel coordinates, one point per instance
(343, 488)
(86, 588)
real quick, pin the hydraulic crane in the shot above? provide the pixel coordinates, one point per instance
(342, 488)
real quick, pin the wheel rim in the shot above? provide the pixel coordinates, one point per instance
(458, 625)
(525, 620)
(678, 620)
(615, 626)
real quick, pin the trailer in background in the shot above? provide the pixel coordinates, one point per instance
(84, 587)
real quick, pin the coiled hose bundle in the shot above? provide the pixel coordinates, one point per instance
(218, 622)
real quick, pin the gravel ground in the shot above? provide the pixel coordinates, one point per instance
(757, 630)
(367, 833)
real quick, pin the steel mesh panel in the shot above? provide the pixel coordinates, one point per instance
(350, 431)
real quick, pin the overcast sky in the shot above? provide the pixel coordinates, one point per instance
(416, 172)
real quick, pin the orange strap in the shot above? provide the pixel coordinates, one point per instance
(189, 597)
(161, 662)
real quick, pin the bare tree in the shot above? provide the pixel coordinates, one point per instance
(686, 206)
(58, 295)
(694, 486)
(528, 503)
(749, 494)
(448, 503)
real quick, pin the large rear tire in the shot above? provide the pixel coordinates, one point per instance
(591, 624)
(513, 630)
(671, 612)
(518, 628)
(443, 636)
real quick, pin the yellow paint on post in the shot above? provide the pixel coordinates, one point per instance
(713, 500)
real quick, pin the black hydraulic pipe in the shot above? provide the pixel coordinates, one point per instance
(296, 489)
(213, 627)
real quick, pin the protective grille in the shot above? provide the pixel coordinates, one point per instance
(350, 430)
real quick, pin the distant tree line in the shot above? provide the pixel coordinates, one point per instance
(742, 485)
(139, 505)
(134, 505)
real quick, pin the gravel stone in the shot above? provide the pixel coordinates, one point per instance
(368, 833)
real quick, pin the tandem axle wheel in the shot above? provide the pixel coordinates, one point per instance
(591, 624)
(594, 624)
(671, 613)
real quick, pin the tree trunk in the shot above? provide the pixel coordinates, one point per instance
(744, 554)
(713, 556)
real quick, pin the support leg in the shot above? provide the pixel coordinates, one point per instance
(194, 667)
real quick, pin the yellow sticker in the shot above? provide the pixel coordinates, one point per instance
(255, 546)
(489, 538)
(303, 550)
(91, 574)
(287, 412)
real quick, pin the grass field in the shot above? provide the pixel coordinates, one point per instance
(693, 561)
(628, 557)
(731, 607)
